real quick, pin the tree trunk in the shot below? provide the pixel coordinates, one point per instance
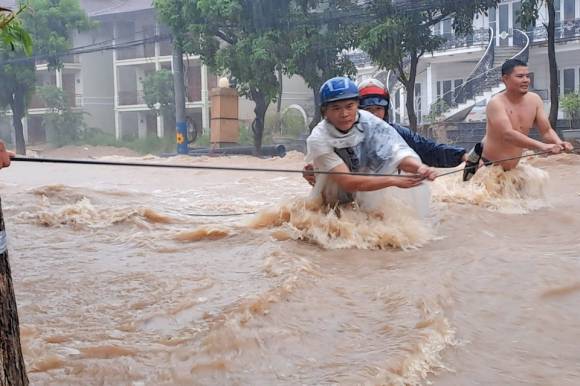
(258, 124)
(17, 115)
(13, 367)
(410, 86)
(554, 97)
(317, 114)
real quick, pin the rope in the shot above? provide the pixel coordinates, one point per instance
(218, 214)
(112, 163)
(241, 169)
(203, 167)
(492, 162)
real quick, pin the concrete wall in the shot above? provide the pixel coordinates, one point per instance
(440, 72)
(295, 91)
(96, 80)
(130, 123)
(538, 64)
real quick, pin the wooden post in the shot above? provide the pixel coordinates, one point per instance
(224, 117)
(13, 368)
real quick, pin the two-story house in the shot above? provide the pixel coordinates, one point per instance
(465, 72)
(104, 78)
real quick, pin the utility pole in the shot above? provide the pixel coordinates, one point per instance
(179, 89)
(13, 371)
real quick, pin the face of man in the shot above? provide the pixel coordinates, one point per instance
(378, 111)
(342, 114)
(518, 80)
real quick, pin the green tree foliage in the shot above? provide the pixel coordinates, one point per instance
(571, 106)
(400, 34)
(63, 125)
(11, 31)
(233, 37)
(316, 51)
(158, 94)
(48, 23)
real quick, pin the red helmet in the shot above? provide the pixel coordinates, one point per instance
(373, 93)
(373, 87)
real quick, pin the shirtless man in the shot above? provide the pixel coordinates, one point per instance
(510, 116)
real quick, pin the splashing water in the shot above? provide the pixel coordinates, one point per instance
(393, 224)
(516, 191)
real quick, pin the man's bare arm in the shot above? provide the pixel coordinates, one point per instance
(497, 115)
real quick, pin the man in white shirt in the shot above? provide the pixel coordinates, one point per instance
(353, 140)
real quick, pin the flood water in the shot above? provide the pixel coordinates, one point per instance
(117, 284)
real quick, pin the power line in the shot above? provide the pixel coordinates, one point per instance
(354, 13)
(116, 38)
(76, 51)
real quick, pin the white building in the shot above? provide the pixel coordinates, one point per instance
(104, 80)
(465, 72)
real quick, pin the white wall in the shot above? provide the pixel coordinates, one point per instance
(538, 64)
(480, 21)
(130, 124)
(96, 79)
(142, 124)
(440, 72)
(295, 91)
(127, 78)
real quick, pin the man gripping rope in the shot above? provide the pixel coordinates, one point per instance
(510, 116)
(374, 98)
(353, 140)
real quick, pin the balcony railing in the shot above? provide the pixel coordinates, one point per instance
(69, 59)
(36, 103)
(359, 58)
(565, 30)
(479, 37)
(129, 98)
(165, 48)
(76, 100)
(143, 51)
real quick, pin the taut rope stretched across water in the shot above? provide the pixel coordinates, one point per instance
(227, 168)
(238, 169)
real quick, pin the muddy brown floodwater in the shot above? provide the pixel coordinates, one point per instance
(117, 285)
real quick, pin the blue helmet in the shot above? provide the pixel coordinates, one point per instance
(337, 89)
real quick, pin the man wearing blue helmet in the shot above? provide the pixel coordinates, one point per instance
(374, 98)
(353, 140)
